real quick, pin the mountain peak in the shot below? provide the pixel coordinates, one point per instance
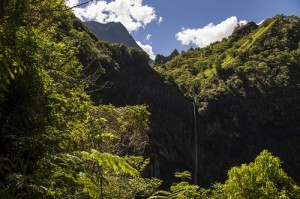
(114, 32)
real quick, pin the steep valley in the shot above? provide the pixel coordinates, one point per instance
(247, 101)
(81, 117)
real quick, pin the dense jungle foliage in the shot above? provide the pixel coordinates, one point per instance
(56, 143)
(247, 91)
(263, 59)
(263, 178)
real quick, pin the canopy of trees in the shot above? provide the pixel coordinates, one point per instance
(254, 59)
(247, 91)
(263, 178)
(55, 143)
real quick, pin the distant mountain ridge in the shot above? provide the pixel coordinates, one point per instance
(114, 32)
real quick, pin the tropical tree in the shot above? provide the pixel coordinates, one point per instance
(263, 178)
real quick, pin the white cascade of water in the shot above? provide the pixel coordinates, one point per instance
(195, 143)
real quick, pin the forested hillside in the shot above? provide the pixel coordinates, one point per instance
(247, 90)
(54, 142)
(83, 118)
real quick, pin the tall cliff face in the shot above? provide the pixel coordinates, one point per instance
(236, 129)
(114, 32)
(247, 91)
(132, 81)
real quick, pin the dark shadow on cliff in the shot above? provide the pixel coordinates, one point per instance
(133, 82)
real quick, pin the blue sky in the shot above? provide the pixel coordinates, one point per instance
(161, 26)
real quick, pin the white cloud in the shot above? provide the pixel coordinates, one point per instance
(131, 13)
(72, 3)
(148, 49)
(243, 22)
(148, 37)
(202, 37)
(160, 20)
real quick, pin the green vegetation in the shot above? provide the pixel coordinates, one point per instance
(254, 59)
(246, 88)
(262, 178)
(56, 143)
(247, 44)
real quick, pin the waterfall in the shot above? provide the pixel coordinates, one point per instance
(195, 143)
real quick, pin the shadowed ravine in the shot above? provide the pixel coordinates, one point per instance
(171, 144)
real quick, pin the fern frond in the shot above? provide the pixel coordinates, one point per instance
(88, 186)
(113, 162)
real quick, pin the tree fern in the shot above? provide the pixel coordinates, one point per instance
(113, 162)
(89, 186)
